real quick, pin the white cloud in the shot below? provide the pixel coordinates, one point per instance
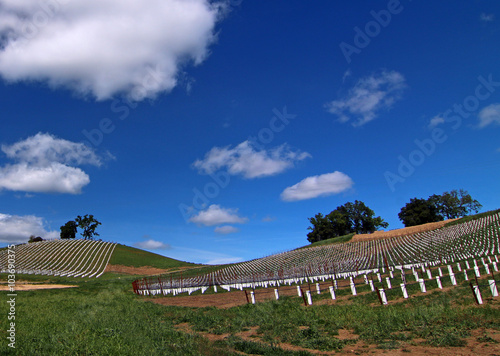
(53, 178)
(489, 115)
(203, 256)
(216, 215)
(43, 165)
(368, 96)
(223, 260)
(18, 229)
(152, 245)
(436, 121)
(43, 149)
(226, 229)
(105, 47)
(316, 186)
(487, 17)
(244, 159)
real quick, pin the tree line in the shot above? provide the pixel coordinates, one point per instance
(358, 218)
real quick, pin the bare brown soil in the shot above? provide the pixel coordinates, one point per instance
(144, 270)
(400, 232)
(29, 286)
(481, 342)
(223, 299)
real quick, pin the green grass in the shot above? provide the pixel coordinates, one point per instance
(472, 217)
(129, 256)
(103, 317)
(333, 240)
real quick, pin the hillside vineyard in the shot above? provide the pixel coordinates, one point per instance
(473, 239)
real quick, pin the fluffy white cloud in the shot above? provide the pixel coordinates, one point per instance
(316, 186)
(43, 165)
(53, 178)
(244, 159)
(368, 96)
(489, 115)
(43, 149)
(224, 260)
(152, 245)
(226, 229)
(105, 47)
(436, 121)
(18, 229)
(216, 215)
(487, 17)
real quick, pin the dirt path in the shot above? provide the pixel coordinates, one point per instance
(30, 286)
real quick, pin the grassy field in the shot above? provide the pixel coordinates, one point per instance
(130, 256)
(104, 317)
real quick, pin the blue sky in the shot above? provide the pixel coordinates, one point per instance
(210, 132)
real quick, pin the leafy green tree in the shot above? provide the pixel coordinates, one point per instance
(88, 224)
(322, 228)
(456, 204)
(348, 218)
(68, 230)
(34, 239)
(449, 205)
(419, 211)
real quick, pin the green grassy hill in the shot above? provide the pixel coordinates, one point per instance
(134, 257)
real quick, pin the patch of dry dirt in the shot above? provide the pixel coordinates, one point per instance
(30, 286)
(481, 342)
(400, 232)
(144, 270)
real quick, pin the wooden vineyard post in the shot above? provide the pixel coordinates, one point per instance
(309, 298)
(332, 292)
(422, 285)
(493, 287)
(403, 289)
(388, 281)
(303, 296)
(477, 293)
(438, 280)
(161, 285)
(476, 271)
(381, 296)
(353, 286)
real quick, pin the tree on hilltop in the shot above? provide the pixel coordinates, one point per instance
(456, 204)
(348, 218)
(68, 230)
(419, 211)
(87, 223)
(449, 205)
(35, 239)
